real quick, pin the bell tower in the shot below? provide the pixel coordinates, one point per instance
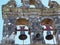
(33, 24)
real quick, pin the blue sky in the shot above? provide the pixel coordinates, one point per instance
(45, 2)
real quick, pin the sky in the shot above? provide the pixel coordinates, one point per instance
(18, 2)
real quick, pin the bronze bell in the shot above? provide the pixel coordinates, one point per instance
(37, 35)
(22, 36)
(49, 36)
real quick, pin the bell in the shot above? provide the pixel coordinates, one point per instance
(38, 37)
(22, 37)
(49, 36)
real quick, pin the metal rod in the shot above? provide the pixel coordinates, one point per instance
(23, 42)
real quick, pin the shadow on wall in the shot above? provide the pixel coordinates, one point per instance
(47, 21)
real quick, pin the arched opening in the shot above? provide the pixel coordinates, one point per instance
(48, 26)
(22, 26)
(47, 21)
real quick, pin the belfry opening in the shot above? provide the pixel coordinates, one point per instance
(23, 25)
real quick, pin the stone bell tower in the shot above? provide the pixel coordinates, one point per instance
(34, 17)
